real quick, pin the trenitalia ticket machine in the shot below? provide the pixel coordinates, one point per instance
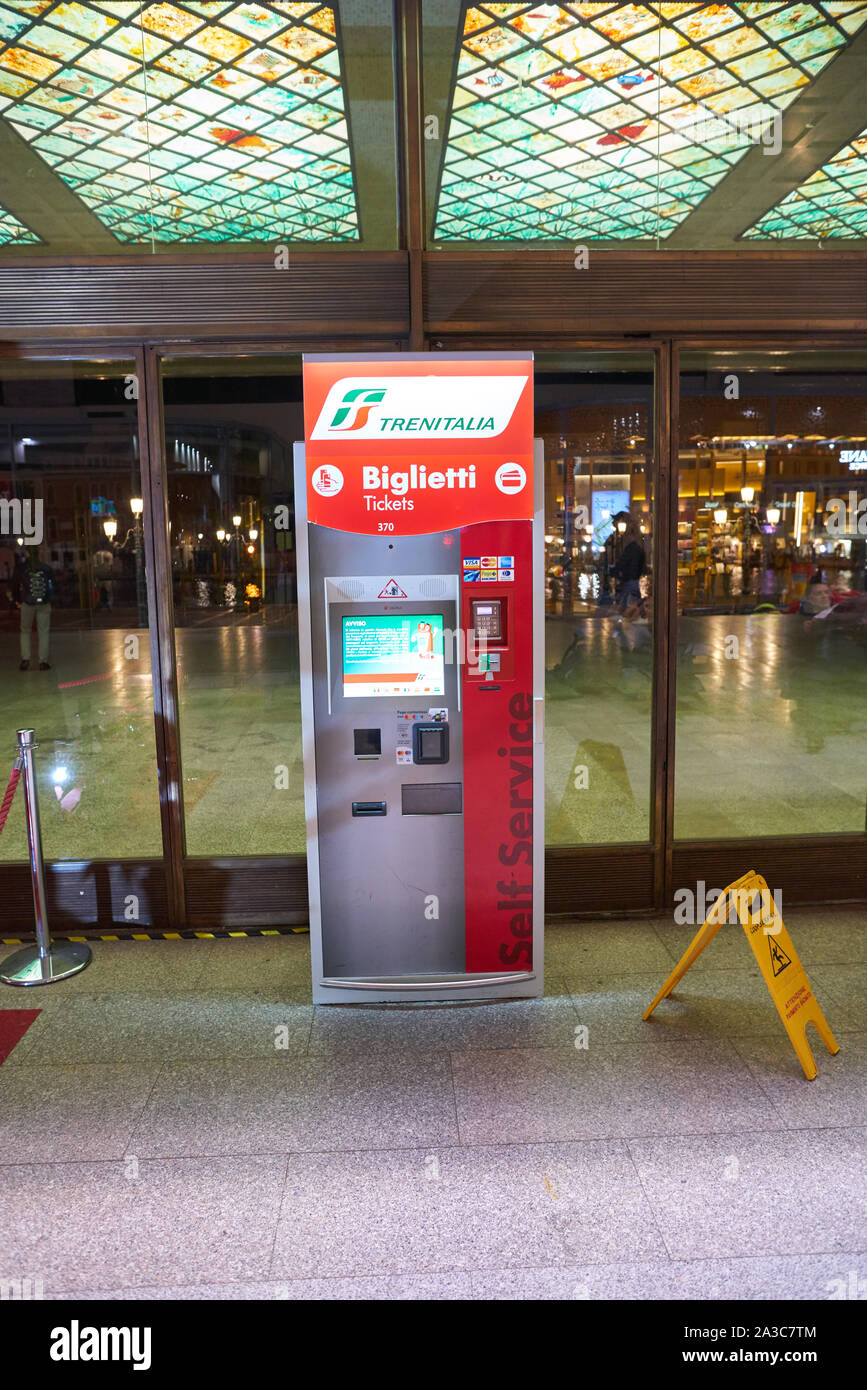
(420, 520)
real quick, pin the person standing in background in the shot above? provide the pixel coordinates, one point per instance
(32, 588)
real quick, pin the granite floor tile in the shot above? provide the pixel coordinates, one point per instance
(606, 1092)
(146, 967)
(441, 1210)
(795, 1277)
(729, 949)
(265, 962)
(715, 1004)
(395, 1289)
(836, 1097)
(45, 997)
(63, 1113)
(438, 1151)
(842, 994)
(126, 1027)
(753, 1195)
(108, 1226)
(450, 1026)
(290, 1103)
(616, 948)
(825, 936)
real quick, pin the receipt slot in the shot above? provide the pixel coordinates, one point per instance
(420, 519)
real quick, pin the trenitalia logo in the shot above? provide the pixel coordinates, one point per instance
(355, 407)
(422, 407)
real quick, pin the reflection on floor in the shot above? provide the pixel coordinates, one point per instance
(240, 727)
(771, 728)
(97, 785)
(180, 1121)
(771, 735)
(598, 691)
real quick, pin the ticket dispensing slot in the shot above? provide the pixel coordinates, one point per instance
(430, 743)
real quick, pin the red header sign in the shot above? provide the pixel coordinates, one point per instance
(419, 442)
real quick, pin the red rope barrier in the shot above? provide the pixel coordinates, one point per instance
(6, 804)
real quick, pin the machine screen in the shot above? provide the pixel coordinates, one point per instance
(401, 655)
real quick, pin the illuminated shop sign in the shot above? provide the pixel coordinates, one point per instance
(855, 459)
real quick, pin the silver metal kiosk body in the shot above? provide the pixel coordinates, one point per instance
(386, 760)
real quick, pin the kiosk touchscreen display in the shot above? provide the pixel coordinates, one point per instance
(393, 655)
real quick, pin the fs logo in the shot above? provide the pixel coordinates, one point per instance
(355, 407)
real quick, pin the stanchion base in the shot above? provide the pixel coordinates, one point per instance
(24, 967)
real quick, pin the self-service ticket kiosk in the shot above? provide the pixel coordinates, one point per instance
(419, 520)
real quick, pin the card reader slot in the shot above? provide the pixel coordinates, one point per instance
(368, 808)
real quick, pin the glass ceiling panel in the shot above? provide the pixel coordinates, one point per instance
(14, 232)
(612, 121)
(183, 121)
(830, 203)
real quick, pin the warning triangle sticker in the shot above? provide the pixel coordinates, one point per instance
(391, 590)
(779, 959)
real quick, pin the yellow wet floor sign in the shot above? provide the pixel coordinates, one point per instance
(749, 901)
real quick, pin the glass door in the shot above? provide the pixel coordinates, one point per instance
(771, 738)
(229, 427)
(595, 413)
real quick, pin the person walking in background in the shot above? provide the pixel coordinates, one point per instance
(32, 588)
(629, 568)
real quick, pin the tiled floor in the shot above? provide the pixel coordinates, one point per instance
(180, 1122)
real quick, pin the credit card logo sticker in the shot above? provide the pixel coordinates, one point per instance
(506, 576)
(510, 478)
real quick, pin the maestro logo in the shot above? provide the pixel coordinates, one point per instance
(404, 408)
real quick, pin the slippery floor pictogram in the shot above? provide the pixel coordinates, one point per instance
(779, 959)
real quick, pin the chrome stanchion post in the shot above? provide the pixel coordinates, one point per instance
(43, 963)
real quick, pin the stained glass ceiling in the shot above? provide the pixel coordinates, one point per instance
(184, 121)
(11, 230)
(611, 121)
(830, 203)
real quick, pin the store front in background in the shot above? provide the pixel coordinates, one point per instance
(705, 630)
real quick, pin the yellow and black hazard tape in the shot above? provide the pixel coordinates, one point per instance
(162, 935)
